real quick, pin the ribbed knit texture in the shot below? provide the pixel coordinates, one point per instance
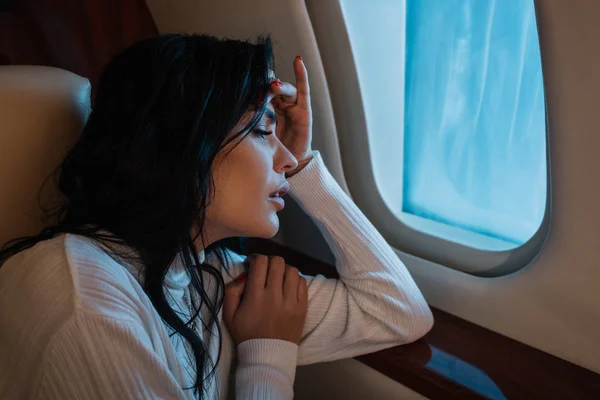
(76, 324)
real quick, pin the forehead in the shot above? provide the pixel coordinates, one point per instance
(270, 106)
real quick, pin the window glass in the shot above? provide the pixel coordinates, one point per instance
(474, 126)
(455, 109)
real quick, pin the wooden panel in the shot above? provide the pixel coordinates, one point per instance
(76, 35)
(461, 360)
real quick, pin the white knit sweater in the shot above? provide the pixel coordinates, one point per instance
(76, 324)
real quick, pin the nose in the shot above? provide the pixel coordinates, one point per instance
(284, 160)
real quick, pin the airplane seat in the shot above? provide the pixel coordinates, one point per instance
(42, 113)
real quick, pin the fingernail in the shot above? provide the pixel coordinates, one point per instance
(243, 277)
(299, 58)
(278, 82)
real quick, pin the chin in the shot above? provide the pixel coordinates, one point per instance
(266, 229)
(271, 226)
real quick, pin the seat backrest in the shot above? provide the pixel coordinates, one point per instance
(42, 113)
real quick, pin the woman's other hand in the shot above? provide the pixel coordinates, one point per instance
(270, 304)
(294, 115)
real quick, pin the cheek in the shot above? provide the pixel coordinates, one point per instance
(243, 186)
(240, 205)
(246, 171)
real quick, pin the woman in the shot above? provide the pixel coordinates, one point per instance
(126, 296)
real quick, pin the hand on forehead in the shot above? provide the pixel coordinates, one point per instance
(287, 94)
(272, 78)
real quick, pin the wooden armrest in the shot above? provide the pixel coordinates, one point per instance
(461, 360)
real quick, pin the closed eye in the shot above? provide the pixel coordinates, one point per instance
(262, 132)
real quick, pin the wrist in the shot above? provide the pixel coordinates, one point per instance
(267, 351)
(300, 167)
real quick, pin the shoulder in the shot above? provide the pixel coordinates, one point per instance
(42, 287)
(77, 357)
(37, 282)
(55, 289)
(39, 293)
(103, 285)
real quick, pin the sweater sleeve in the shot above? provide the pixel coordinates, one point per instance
(95, 357)
(375, 304)
(266, 369)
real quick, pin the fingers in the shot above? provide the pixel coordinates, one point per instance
(257, 275)
(302, 83)
(275, 274)
(272, 95)
(283, 88)
(233, 297)
(286, 90)
(272, 274)
(302, 291)
(290, 284)
(294, 94)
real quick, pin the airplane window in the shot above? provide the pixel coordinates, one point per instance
(455, 105)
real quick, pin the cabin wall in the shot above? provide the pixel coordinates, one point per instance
(77, 35)
(347, 380)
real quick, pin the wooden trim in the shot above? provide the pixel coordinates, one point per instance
(77, 35)
(461, 360)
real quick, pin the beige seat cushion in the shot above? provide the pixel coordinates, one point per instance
(42, 113)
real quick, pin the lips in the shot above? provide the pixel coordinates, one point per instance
(281, 191)
(276, 196)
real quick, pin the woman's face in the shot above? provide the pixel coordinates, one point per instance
(247, 182)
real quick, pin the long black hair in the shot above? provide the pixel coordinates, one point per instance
(140, 174)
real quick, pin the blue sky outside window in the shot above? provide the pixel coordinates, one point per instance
(474, 117)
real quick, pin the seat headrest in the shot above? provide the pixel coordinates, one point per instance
(42, 113)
